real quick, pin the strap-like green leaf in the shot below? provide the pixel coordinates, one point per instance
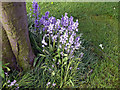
(35, 60)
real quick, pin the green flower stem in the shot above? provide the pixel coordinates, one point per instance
(58, 43)
(74, 70)
(62, 71)
(53, 44)
(67, 70)
(49, 42)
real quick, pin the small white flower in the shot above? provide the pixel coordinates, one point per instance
(57, 62)
(50, 69)
(101, 46)
(8, 81)
(61, 53)
(81, 54)
(43, 41)
(16, 84)
(60, 46)
(50, 26)
(53, 59)
(70, 68)
(6, 74)
(114, 7)
(54, 84)
(43, 46)
(48, 83)
(12, 83)
(76, 30)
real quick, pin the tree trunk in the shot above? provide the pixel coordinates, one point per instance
(7, 54)
(14, 21)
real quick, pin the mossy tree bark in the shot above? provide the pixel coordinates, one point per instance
(7, 54)
(14, 21)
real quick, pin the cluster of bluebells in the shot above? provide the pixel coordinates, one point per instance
(36, 12)
(62, 31)
(12, 83)
(54, 84)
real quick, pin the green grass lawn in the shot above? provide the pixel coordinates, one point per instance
(99, 24)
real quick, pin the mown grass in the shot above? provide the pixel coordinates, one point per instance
(99, 25)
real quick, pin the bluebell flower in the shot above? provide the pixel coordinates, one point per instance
(71, 52)
(41, 20)
(6, 74)
(43, 41)
(63, 39)
(70, 28)
(73, 33)
(44, 29)
(71, 39)
(61, 53)
(77, 45)
(16, 84)
(60, 46)
(50, 28)
(58, 28)
(76, 30)
(52, 20)
(12, 83)
(43, 45)
(50, 69)
(62, 30)
(66, 48)
(8, 81)
(64, 20)
(46, 15)
(53, 59)
(75, 25)
(70, 68)
(51, 34)
(81, 55)
(58, 63)
(71, 20)
(77, 39)
(48, 83)
(53, 84)
(36, 9)
(30, 9)
(52, 65)
(17, 88)
(57, 24)
(35, 6)
(54, 38)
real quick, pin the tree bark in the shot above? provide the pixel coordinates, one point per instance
(7, 54)
(14, 21)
